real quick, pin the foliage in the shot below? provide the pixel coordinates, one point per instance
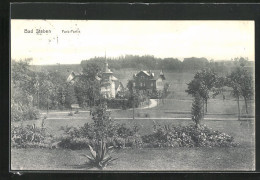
(118, 135)
(22, 91)
(135, 98)
(70, 114)
(117, 103)
(241, 83)
(102, 121)
(29, 136)
(22, 77)
(21, 112)
(70, 97)
(203, 82)
(100, 157)
(240, 61)
(92, 69)
(197, 110)
(87, 90)
(166, 89)
(151, 62)
(186, 136)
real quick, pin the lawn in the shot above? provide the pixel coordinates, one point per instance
(175, 159)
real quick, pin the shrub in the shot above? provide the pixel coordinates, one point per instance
(74, 143)
(147, 115)
(116, 103)
(31, 113)
(187, 136)
(76, 112)
(70, 114)
(29, 136)
(22, 113)
(118, 135)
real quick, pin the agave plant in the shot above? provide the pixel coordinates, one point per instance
(100, 157)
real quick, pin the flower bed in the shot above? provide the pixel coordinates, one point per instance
(187, 136)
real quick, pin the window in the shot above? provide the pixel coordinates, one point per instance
(152, 84)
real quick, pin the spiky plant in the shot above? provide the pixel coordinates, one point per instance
(100, 157)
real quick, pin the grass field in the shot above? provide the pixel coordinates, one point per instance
(175, 159)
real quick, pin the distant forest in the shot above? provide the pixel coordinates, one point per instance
(149, 62)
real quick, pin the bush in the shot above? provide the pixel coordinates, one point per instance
(23, 113)
(147, 115)
(187, 136)
(118, 135)
(70, 114)
(74, 143)
(29, 136)
(116, 103)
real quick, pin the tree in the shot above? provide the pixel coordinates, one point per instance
(242, 85)
(87, 85)
(46, 89)
(22, 76)
(130, 86)
(22, 91)
(241, 61)
(102, 121)
(92, 69)
(219, 87)
(70, 97)
(197, 109)
(202, 84)
(87, 90)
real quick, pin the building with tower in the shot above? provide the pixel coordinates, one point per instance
(108, 83)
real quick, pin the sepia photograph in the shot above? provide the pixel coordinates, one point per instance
(132, 95)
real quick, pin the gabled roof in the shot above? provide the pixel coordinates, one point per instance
(152, 75)
(72, 76)
(117, 84)
(145, 72)
(98, 78)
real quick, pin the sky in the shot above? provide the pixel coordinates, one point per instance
(71, 41)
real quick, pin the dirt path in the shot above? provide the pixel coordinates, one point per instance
(153, 103)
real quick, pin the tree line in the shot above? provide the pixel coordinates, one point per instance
(173, 64)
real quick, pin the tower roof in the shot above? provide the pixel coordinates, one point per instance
(107, 70)
(162, 75)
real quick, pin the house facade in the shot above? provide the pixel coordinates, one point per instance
(148, 81)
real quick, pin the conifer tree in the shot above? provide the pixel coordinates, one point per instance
(197, 109)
